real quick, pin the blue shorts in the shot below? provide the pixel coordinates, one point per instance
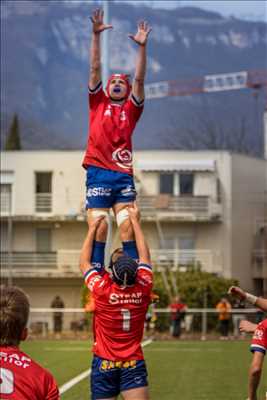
(104, 188)
(109, 378)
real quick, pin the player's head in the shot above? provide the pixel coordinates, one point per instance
(123, 268)
(14, 314)
(118, 87)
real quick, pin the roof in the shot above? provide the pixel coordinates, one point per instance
(176, 165)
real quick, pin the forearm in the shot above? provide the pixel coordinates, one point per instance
(261, 303)
(86, 252)
(95, 59)
(140, 72)
(254, 379)
(142, 247)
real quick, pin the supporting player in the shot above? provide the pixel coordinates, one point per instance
(121, 302)
(113, 116)
(21, 377)
(259, 341)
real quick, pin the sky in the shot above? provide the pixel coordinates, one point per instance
(245, 9)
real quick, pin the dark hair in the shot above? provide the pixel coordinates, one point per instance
(14, 314)
(124, 271)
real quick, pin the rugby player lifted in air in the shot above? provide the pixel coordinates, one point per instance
(113, 116)
(121, 302)
(259, 341)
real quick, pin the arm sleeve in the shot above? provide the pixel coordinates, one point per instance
(52, 388)
(259, 340)
(93, 279)
(145, 275)
(135, 109)
(95, 96)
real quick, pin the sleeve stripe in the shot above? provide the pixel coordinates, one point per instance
(136, 102)
(96, 89)
(145, 265)
(88, 273)
(145, 268)
(257, 347)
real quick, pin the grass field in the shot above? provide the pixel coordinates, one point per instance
(186, 370)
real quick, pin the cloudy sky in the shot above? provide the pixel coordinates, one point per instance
(247, 9)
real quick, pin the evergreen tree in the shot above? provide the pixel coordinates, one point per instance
(13, 137)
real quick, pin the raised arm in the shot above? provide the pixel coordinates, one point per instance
(87, 247)
(98, 26)
(140, 38)
(142, 247)
(250, 298)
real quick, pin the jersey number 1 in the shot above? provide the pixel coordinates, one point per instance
(7, 381)
(126, 315)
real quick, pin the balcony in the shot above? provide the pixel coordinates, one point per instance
(259, 264)
(206, 260)
(43, 202)
(65, 263)
(184, 208)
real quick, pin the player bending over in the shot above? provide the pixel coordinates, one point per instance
(121, 302)
(21, 377)
(259, 341)
(113, 116)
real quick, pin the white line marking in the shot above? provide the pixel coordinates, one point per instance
(85, 374)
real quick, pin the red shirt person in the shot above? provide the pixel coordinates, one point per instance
(177, 314)
(121, 302)
(21, 377)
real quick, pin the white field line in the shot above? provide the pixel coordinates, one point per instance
(68, 385)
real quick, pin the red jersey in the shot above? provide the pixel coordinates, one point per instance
(24, 379)
(259, 340)
(109, 143)
(119, 314)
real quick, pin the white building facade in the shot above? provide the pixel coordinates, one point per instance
(203, 208)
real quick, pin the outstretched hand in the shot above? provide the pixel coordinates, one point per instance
(141, 36)
(97, 21)
(247, 326)
(237, 292)
(95, 222)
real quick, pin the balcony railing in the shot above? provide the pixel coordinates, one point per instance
(180, 207)
(259, 264)
(43, 202)
(65, 263)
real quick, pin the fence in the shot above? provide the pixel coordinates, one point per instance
(198, 323)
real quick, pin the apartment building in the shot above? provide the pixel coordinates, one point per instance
(202, 208)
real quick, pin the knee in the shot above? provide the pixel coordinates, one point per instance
(124, 225)
(102, 229)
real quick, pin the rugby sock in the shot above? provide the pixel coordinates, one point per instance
(98, 255)
(130, 249)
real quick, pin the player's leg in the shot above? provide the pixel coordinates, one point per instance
(136, 394)
(98, 203)
(105, 382)
(125, 229)
(134, 384)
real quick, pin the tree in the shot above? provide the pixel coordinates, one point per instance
(13, 137)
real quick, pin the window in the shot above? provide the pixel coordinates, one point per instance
(166, 184)
(186, 249)
(43, 240)
(6, 198)
(186, 183)
(43, 191)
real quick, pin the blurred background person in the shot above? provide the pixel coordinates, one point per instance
(57, 316)
(224, 316)
(178, 310)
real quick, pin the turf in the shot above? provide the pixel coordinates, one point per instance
(187, 370)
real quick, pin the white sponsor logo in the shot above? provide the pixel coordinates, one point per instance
(93, 282)
(258, 335)
(123, 158)
(98, 191)
(128, 191)
(125, 298)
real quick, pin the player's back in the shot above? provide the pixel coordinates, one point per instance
(119, 318)
(24, 379)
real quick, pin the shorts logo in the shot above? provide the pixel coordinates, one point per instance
(98, 191)
(128, 191)
(123, 158)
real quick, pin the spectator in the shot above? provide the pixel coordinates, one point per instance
(57, 315)
(21, 377)
(178, 310)
(237, 316)
(224, 309)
